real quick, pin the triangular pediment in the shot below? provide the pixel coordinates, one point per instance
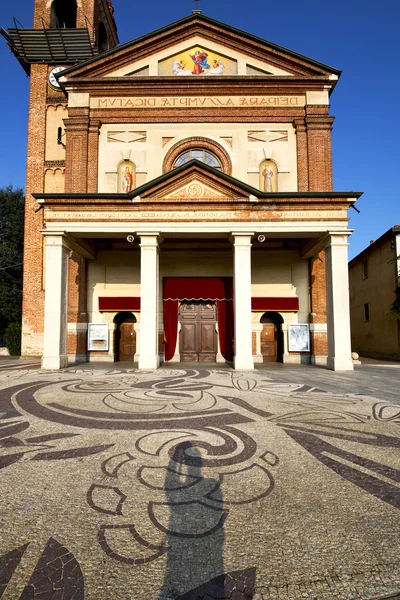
(199, 46)
(194, 182)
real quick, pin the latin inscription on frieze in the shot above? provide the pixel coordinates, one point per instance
(216, 215)
(198, 102)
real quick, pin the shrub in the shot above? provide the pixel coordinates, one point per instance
(13, 339)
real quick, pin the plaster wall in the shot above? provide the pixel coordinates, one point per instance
(379, 336)
(117, 273)
(245, 153)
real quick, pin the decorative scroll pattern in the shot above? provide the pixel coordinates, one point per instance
(177, 454)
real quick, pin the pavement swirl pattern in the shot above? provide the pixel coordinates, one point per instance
(194, 484)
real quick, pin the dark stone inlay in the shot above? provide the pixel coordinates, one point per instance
(57, 575)
(129, 560)
(38, 439)
(237, 585)
(72, 453)
(119, 499)
(374, 486)
(8, 564)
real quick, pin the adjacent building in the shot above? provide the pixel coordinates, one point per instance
(179, 196)
(374, 276)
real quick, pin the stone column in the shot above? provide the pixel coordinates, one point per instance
(243, 358)
(149, 274)
(55, 304)
(337, 303)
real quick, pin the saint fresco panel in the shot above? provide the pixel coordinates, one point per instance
(126, 177)
(268, 176)
(197, 61)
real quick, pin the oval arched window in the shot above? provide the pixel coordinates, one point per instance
(200, 154)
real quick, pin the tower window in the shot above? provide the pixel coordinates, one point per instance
(102, 38)
(366, 312)
(63, 14)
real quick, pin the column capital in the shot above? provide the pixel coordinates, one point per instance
(319, 122)
(241, 238)
(56, 238)
(94, 125)
(149, 238)
(299, 125)
(337, 238)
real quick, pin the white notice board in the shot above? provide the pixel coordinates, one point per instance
(98, 336)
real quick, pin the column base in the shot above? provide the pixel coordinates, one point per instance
(54, 363)
(340, 364)
(319, 360)
(258, 358)
(149, 362)
(77, 358)
(296, 359)
(243, 363)
(106, 358)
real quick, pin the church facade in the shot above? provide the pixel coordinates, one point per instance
(179, 202)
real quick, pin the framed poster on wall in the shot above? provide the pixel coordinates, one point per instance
(299, 337)
(98, 336)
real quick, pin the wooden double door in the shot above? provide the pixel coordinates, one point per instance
(198, 340)
(269, 342)
(127, 341)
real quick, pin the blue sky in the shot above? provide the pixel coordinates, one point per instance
(359, 38)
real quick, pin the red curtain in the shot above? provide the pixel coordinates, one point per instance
(218, 289)
(225, 328)
(170, 327)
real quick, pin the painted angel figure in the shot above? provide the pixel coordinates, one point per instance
(179, 68)
(217, 67)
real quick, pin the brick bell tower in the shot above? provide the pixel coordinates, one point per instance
(64, 33)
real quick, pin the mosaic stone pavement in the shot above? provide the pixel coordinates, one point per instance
(194, 484)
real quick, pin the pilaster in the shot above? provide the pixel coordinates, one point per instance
(302, 154)
(77, 303)
(76, 156)
(318, 329)
(319, 153)
(93, 155)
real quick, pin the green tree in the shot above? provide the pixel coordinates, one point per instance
(11, 254)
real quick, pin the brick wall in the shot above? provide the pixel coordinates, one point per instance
(33, 294)
(319, 340)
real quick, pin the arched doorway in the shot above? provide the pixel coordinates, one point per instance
(198, 340)
(271, 337)
(125, 336)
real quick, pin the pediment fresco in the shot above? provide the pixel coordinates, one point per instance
(197, 61)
